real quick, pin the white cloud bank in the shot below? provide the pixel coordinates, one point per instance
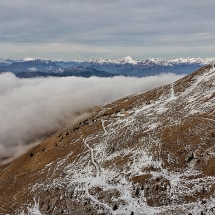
(33, 108)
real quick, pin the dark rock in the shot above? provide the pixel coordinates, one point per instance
(137, 192)
(157, 179)
(203, 201)
(190, 157)
(115, 207)
(156, 187)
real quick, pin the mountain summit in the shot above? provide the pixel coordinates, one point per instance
(150, 153)
(128, 60)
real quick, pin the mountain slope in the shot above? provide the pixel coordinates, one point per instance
(85, 72)
(151, 153)
(78, 72)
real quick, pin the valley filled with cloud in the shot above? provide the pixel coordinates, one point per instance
(32, 109)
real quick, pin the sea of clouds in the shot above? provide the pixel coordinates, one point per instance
(31, 109)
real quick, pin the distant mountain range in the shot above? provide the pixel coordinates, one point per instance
(46, 68)
(102, 67)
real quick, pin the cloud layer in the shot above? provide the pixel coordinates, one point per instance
(33, 108)
(113, 29)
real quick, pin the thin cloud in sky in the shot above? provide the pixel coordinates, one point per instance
(112, 29)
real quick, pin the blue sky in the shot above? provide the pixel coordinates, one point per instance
(83, 29)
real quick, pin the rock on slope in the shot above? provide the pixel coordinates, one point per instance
(151, 153)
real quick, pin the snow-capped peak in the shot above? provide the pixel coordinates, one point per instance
(28, 59)
(125, 60)
(156, 61)
(99, 61)
(128, 59)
